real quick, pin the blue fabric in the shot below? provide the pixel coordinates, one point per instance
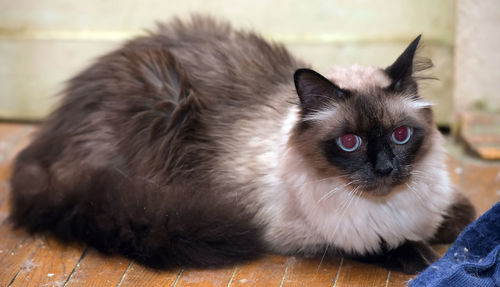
(472, 260)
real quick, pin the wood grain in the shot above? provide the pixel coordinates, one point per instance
(138, 275)
(268, 270)
(206, 277)
(15, 250)
(353, 273)
(398, 279)
(311, 272)
(50, 265)
(16, 246)
(96, 269)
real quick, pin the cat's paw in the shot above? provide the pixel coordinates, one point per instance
(411, 257)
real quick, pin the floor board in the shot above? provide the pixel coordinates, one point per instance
(368, 275)
(96, 269)
(312, 272)
(138, 275)
(39, 261)
(50, 264)
(269, 269)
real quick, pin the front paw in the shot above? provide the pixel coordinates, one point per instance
(411, 257)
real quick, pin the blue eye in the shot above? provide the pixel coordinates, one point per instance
(349, 142)
(401, 135)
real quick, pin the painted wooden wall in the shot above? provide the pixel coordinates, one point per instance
(477, 60)
(43, 43)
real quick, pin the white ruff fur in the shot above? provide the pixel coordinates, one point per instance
(300, 216)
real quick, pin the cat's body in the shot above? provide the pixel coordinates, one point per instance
(192, 147)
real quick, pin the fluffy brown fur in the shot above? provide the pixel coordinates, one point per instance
(187, 147)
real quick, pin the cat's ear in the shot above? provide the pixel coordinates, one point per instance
(316, 91)
(401, 70)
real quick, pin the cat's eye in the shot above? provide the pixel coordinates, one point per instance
(349, 142)
(401, 135)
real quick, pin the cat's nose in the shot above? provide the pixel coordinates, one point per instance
(384, 167)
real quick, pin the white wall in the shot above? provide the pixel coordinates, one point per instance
(477, 55)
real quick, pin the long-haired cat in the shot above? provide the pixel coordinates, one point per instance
(200, 145)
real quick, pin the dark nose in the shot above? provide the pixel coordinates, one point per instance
(384, 166)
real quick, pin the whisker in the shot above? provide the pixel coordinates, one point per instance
(335, 190)
(323, 179)
(322, 258)
(353, 195)
(422, 200)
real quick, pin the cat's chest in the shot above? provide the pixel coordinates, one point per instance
(304, 212)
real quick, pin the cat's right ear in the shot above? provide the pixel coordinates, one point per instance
(401, 70)
(315, 91)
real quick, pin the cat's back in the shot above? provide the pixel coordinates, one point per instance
(218, 58)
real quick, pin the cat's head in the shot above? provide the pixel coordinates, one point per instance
(367, 124)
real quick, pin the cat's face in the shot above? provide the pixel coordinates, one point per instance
(364, 124)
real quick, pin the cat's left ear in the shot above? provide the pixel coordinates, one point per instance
(316, 91)
(401, 70)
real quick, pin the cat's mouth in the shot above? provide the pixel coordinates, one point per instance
(380, 186)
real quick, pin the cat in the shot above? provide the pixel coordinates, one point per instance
(201, 145)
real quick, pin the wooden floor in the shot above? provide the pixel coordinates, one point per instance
(27, 261)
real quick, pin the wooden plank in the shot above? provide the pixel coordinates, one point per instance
(50, 265)
(311, 272)
(139, 275)
(481, 183)
(16, 246)
(267, 271)
(353, 273)
(206, 277)
(15, 250)
(398, 279)
(96, 269)
(441, 248)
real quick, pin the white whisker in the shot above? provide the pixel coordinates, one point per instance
(353, 195)
(335, 190)
(323, 179)
(416, 193)
(322, 258)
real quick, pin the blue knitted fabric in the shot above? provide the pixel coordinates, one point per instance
(472, 260)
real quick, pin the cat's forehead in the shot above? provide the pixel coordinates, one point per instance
(358, 77)
(375, 109)
(363, 111)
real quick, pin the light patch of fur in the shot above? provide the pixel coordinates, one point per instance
(319, 116)
(418, 104)
(358, 77)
